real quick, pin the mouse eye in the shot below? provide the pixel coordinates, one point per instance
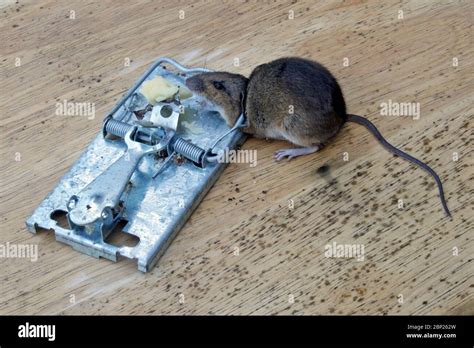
(218, 85)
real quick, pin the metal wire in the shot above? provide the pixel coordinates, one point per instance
(240, 123)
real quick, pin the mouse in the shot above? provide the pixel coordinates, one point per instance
(293, 99)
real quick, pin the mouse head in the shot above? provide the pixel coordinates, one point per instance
(223, 90)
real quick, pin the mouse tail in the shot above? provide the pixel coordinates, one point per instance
(371, 127)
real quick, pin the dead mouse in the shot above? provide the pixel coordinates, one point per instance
(291, 99)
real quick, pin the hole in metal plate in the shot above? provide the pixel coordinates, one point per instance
(166, 111)
(60, 216)
(120, 238)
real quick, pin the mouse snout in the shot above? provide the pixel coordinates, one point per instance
(195, 84)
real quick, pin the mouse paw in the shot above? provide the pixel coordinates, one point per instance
(292, 153)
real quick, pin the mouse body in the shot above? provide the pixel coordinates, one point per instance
(292, 99)
(296, 100)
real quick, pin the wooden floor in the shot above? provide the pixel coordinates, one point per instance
(280, 216)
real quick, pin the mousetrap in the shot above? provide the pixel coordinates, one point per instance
(144, 173)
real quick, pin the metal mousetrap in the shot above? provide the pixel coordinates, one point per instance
(148, 168)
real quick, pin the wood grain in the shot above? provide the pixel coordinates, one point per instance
(408, 252)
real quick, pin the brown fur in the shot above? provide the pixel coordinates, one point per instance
(286, 99)
(223, 89)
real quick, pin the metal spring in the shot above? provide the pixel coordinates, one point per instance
(117, 128)
(189, 150)
(180, 146)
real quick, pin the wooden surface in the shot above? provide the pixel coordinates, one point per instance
(281, 250)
